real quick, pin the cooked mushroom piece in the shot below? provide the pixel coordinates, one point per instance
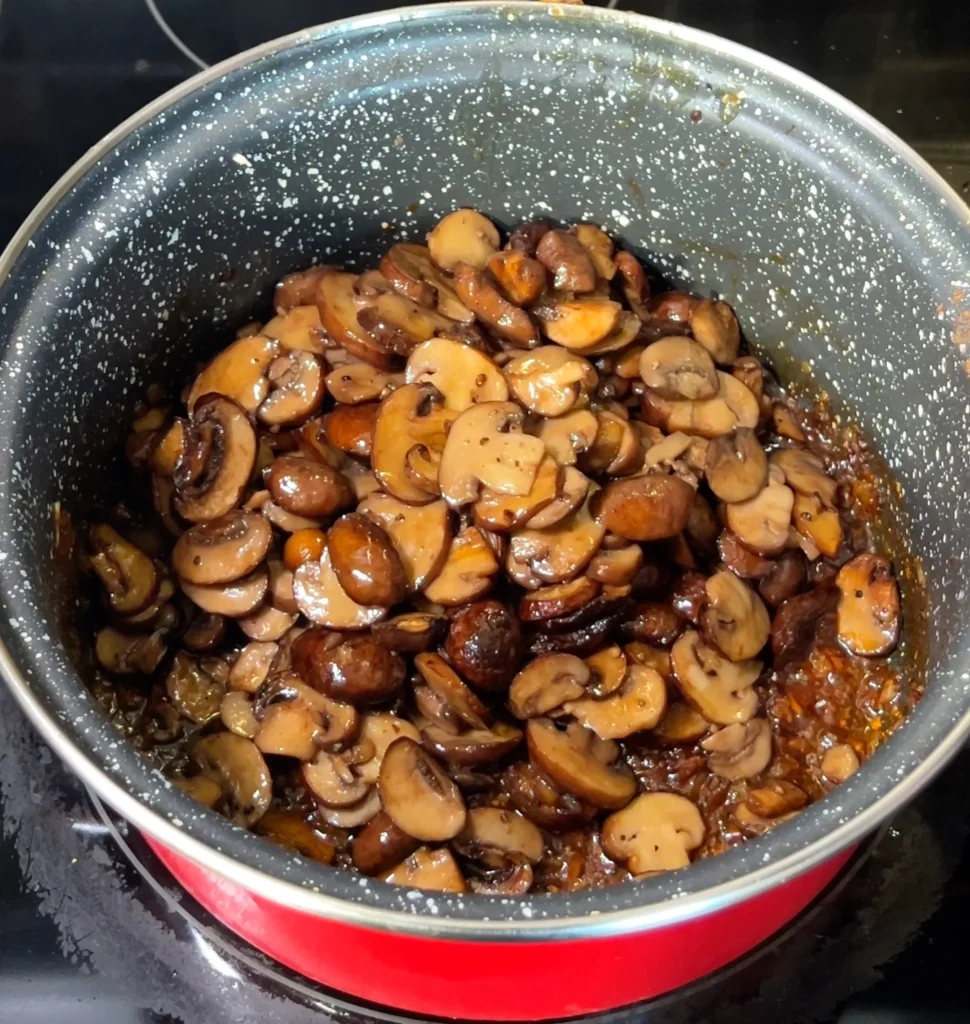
(359, 670)
(639, 704)
(566, 259)
(599, 245)
(251, 668)
(468, 572)
(546, 684)
(234, 599)
(607, 669)
(796, 623)
(616, 567)
(295, 721)
(381, 845)
(411, 633)
(339, 303)
(575, 488)
(652, 622)
(463, 375)
(421, 534)
(740, 560)
(492, 835)
(216, 461)
(353, 816)
(557, 600)
(290, 829)
(733, 406)
(236, 712)
(487, 448)
(324, 601)
(568, 436)
(205, 632)
(741, 750)
(579, 324)
(562, 551)
(299, 289)
(541, 801)
(787, 576)
(484, 299)
(357, 383)
(616, 450)
(267, 623)
(868, 611)
(761, 523)
(736, 467)
(128, 575)
(570, 759)
(241, 771)
(378, 730)
(296, 389)
(681, 724)
(433, 870)
(443, 679)
(722, 690)
(473, 746)
(521, 279)
(656, 832)
(644, 508)
(464, 236)
(502, 512)
(485, 644)
(715, 326)
(237, 372)
(549, 380)
(418, 795)
(735, 619)
(679, 368)
(129, 653)
(222, 550)
(332, 780)
(805, 474)
(839, 763)
(412, 272)
(306, 487)
(299, 329)
(819, 524)
(366, 562)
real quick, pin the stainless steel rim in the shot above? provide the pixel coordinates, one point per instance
(315, 903)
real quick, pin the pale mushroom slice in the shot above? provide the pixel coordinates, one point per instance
(735, 619)
(736, 466)
(733, 406)
(321, 598)
(238, 766)
(616, 450)
(355, 815)
(462, 374)
(868, 610)
(575, 487)
(339, 303)
(129, 577)
(521, 278)
(608, 668)
(616, 567)
(250, 669)
(418, 795)
(503, 512)
(805, 474)
(562, 551)
(557, 600)
(446, 683)
(238, 372)
(296, 389)
(679, 368)
(487, 448)
(741, 750)
(599, 245)
(493, 834)
(649, 507)
(722, 690)
(468, 572)
(235, 599)
(580, 323)
(656, 832)
(681, 724)
(761, 523)
(267, 623)
(222, 550)
(431, 870)
(412, 423)
(715, 326)
(621, 337)
(412, 272)
(421, 534)
(296, 721)
(357, 383)
(546, 684)
(463, 236)
(642, 653)
(236, 713)
(129, 653)
(839, 763)
(638, 704)
(818, 524)
(298, 329)
(378, 731)
(574, 760)
(333, 781)
(550, 380)
(567, 437)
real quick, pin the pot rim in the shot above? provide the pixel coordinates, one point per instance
(493, 918)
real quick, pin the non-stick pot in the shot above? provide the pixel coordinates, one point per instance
(845, 255)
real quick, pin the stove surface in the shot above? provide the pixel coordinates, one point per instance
(91, 928)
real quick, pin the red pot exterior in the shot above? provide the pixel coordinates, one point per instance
(484, 980)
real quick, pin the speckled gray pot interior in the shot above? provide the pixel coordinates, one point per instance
(836, 245)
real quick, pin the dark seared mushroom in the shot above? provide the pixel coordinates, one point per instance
(236, 713)
(484, 299)
(221, 550)
(616, 449)
(412, 632)
(421, 534)
(656, 832)
(722, 690)
(128, 575)
(129, 653)
(636, 287)
(557, 600)
(472, 746)
(365, 561)
(644, 508)
(381, 845)
(434, 870)
(241, 771)
(485, 644)
(521, 279)
(526, 237)
(299, 289)
(740, 560)
(339, 302)
(234, 599)
(868, 611)
(737, 467)
(739, 751)
(570, 265)
(306, 487)
(350, 428)
(599, 245)
(715, 326)
(677, 367)
(652, 622)
(735, 618)
(353, 816)
(546, 683)
(796, 623)
(541, 801)
(581, 641)
(787, 576)
(418, 795)
(360, 670)
(616, 567)
(560, 552)
(412, 272)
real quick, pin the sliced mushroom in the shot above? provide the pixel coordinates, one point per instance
(616, 567)
(381, 845)
(557, 600)
(579, 324)
(644, 508)
(676, 367)
(323, 600)
(681, 724)
(418, 795)
(541, 801)
(487, 448)
(733, 406)
(251, 668)
(567, 437)
(299, 289)
(339, 303)
(521, 279)
(295, 720)
(241, 771)
(485, 644)
(236, 712)
(637, 705)
(741, 750)
(549, 380)
(463, 375)
(616, 450)
(607, 671)
(463, 236)
(575, 487)
(267, 623)
(235, 599)
(366, 562)
(307, 488)
(128, 575)
(783, 420)
(378, 731)
(761, 523)
(412, 272)
(562, 551)
(715, 326)
(333, 781)
(291, 830)
(567, 260)
(546, 684)
(129, 653)
(492, 835)
(636, 287)
(298, 329)
(399, 325)
(656, 832)
(433, 870)
(238, 372)
(805, 474)
(444, 681)
(735, 619)
(787, 576)
(646, 654)
(819, 524)
(599, 245)
(652, 622)
(421, 534)
(722, 690)
(573, 760)
(222, 550)
(776, 798)
(839, 763)
(502, 512)
(472, 746)
(296, 389)
(484, 299)
(868, 612)
(796, 623)
(737, 467)
(411, 633)
(740, 560)
(216, 461)
(360, 382)
(468, 572)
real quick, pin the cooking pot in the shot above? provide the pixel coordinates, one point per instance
(845, 255)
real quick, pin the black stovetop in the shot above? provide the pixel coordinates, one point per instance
(91, 929)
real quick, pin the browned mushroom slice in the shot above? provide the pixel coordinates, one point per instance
(502, 512)
(637, 705)
(641, 653)
(546, 683)
(562, 551)
(575, 487)
(783, 420)
(413, 417)
(567, 260)
(297, 389)
(291, 830)
(433, 870)
(620, 338)
(607, 671)
(238, 372)
(463, 375)
(333, 781)
(418, 795)
(839, 763)
(616, 449)
(492, 835)
(251, 668)
(378, 731)
(487, 448)
(236, 713)
(761, 523)
(521, 278)
(360, 382)
(805, 474)
(796, 623)
(222, 550)
(819, 524)
(339, 304)
(636, 287)
(299, 289)
(735, 619)
(644, 508)
(350, 428)
(421, 534)
(473, 746)
(411, 633)
(216, 461)
(740, 560)
(128, 575)
(722, 690)
(787, 577)
(442, 678)
(571, 760)
(599, 245)
(353, 816)
(241, 771)
(297, 330)
(526, 237)
(295, 720)
(679, 368)
(365, 561)
(381, 845)
(868, 606)
(411, 271)
(656, 832)
(468, 571)
(359, 670)
(267, 623)
(482, 297)
(549, 380)
(776, 798)
(616, 567)
(652, 622)
(558, 599)
(234, 599)
(464, 236)
(741, 750)
(321, 598)
(736, 467)
(578, 324)
(541, 801)
(129, 653)
(205, 632)
(306, 487)
(681, 724)
(715, 326)
(666, 452)
(485, 644)
(566, 437)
